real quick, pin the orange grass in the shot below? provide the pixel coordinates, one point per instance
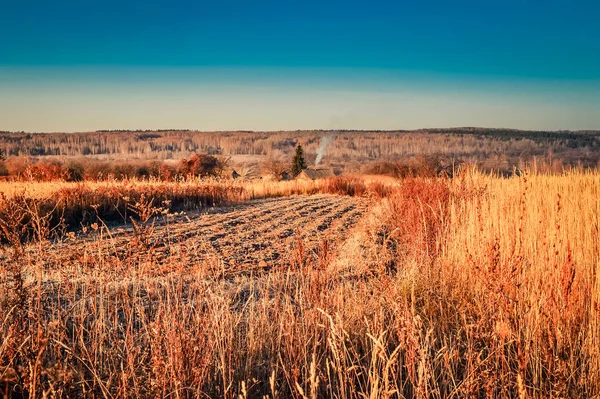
(475, 287)
(73, 205)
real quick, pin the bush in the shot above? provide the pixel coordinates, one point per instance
(46, 171)
(201, 165)
(421, 166)
(16, 166)
(142, 172)
(384, 168)
(343, 185)
(166, 172)
(121, 171)
(75, 171)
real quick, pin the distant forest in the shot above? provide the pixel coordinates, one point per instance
(496, 149)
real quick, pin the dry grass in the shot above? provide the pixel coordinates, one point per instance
(475, 287)
(74, 205)
(251, 189)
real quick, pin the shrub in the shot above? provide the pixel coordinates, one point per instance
(16, 166)
(75, 171)
(46, 171)
(122, 171)
(96, 170)
(166, 172)
(385, 168)
(142, 172)
(201, 165)
(344, 185)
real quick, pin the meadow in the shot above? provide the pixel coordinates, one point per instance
(349, 287)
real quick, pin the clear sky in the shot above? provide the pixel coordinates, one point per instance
(78, 65)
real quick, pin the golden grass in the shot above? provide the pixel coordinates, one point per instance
(65, 206)
(527, 253)
(254, 188)
(475, 287)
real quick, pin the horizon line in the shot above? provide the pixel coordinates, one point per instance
(343, 130)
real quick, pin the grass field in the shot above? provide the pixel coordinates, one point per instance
(477, 286)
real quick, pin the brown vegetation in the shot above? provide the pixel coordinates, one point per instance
(499, 150)
(26, 169)
(476, 286)
(68, 206)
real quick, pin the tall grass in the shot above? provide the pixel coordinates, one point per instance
(475, 287)
(73, 205)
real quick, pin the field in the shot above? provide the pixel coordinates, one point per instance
(350, 287)
(237, 239)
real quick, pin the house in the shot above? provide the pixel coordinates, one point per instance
(314, 174)
(277, 177)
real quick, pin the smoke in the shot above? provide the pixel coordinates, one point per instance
(322, 150)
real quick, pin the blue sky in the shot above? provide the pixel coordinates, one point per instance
(83, 65)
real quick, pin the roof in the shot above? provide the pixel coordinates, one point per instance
(314, 174)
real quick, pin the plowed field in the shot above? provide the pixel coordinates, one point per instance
(253, 236)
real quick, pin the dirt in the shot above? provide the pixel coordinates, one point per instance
(258, 235)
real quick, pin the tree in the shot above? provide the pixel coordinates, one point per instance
(298, 163)
(202, 165)
(3, 170)
(275, 168)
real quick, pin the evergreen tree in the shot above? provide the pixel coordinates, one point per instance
(298, 163)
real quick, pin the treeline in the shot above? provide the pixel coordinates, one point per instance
(440, 166)
(141, 130)
(586, 138)
(349, 149)
(25, 169)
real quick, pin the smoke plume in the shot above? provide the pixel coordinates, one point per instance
(322, 150)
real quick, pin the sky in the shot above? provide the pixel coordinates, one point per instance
(79, 65)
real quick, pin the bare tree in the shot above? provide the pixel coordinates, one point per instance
(246, 170)
(275, 167)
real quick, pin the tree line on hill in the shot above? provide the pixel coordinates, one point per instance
(492, 149)
(198, 165)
